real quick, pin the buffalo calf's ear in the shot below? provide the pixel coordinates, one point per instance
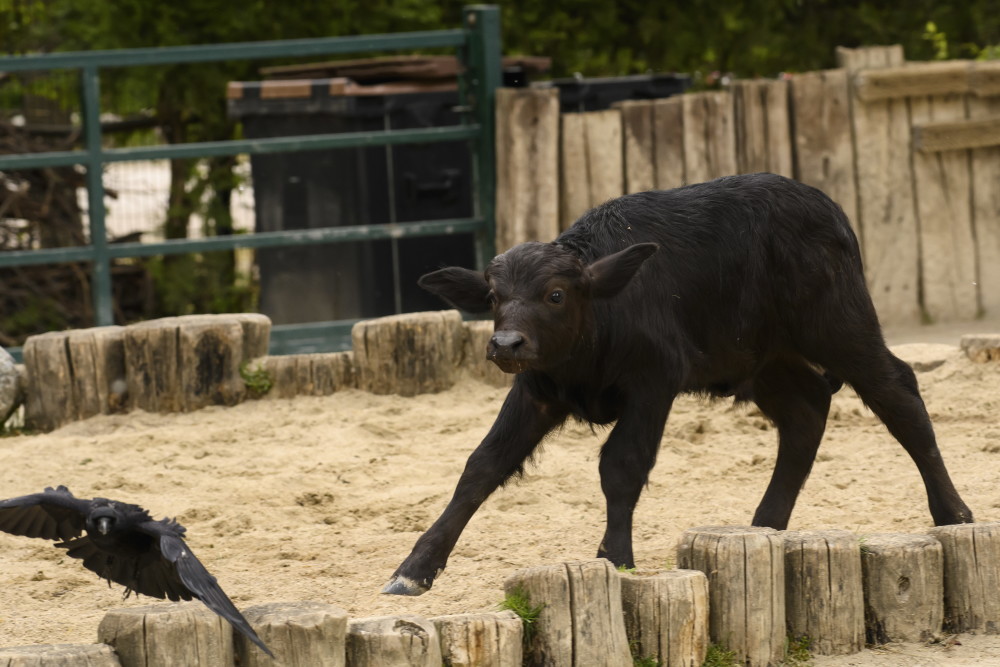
(462, 288)
(609, 275)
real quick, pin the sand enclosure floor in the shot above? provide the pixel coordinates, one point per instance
(321, 498)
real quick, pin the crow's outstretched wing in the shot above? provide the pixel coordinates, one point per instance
(197, 579)
(145, 574)
(55, 514)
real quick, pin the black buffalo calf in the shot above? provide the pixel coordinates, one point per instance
(746, 286)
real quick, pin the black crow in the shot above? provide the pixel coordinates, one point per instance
(123, 544)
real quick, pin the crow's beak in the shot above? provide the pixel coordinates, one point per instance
(104, 525)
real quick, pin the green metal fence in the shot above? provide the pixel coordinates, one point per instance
(478, 48)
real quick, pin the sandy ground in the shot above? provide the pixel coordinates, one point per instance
(321, 498)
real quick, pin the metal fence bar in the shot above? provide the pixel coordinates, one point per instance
(320, 46)
(100, 288)
(245, 146)
(289, 238)
(484, 77)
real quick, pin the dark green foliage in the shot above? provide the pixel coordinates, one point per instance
(257, 380)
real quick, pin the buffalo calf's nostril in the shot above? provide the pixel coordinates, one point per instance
(506, 340)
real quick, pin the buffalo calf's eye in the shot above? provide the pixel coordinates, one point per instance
(556, 296)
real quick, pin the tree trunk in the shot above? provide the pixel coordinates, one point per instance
(178, 634)
(666, 616)
(300, 634)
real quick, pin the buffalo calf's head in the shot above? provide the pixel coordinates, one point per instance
(540, 295)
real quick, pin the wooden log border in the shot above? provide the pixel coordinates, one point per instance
(303, 632)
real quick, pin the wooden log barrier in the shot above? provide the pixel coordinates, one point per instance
(177, 634)
(904, 588)
(393, 640)
(59, 655)
(581, 623)
(666, 616)
(971, 576)
(480, 640)
(300, 634)
(824, 598)
(981, 348)
(415, 353)
(746, 583)
(74, 375)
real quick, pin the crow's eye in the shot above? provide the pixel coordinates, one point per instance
(556, 296)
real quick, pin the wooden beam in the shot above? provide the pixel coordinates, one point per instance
(914, 80)
(957, 135)
(985, 78)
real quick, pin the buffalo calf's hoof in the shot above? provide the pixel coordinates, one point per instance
(400, 585)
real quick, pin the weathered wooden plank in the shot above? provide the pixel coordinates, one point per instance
(638, 130)
(527, 165)
(574, 182)
(210, 351)
(592, 164)
(49, 401)
(300, 634)
(581, 623)
(986, 207)
(763, 135)
(824, 154)
(904, 587)
(914, 80)
(414, 353)
(869, 56)
(59, 655)
(333, 372)
(666, 616)
(971, 576)
(824, 597)
(984, 80)
(709, 136)
(745, 567)
(668, 128)
(943, 192)
(481, 640)
(957, 135)
(393, 640)
(886, 209)
(605, 165)
(179, 633)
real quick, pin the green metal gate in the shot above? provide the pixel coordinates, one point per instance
(478, 48)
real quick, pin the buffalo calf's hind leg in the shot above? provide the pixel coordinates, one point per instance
(797, 400)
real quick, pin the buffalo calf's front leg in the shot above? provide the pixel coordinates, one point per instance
(520, 426)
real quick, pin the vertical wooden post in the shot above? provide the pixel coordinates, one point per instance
(592, 164)
(986, 208)
(971, 576)
(904, 588)
(824, 155)
(59, 655)
(668, 126)
(480, 640)
(393, 640)
(527, 165)
(638, 130)
(300, 634)
(763, 134)
(709, 136)
(943, 189)
(746, 586)
(581, 623)
(666, 616)
(823, 592)
(886, 204)
(180, 633)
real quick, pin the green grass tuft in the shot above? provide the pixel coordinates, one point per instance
(519, 602)
(797, 652)
(257, 380)
(720, 657)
